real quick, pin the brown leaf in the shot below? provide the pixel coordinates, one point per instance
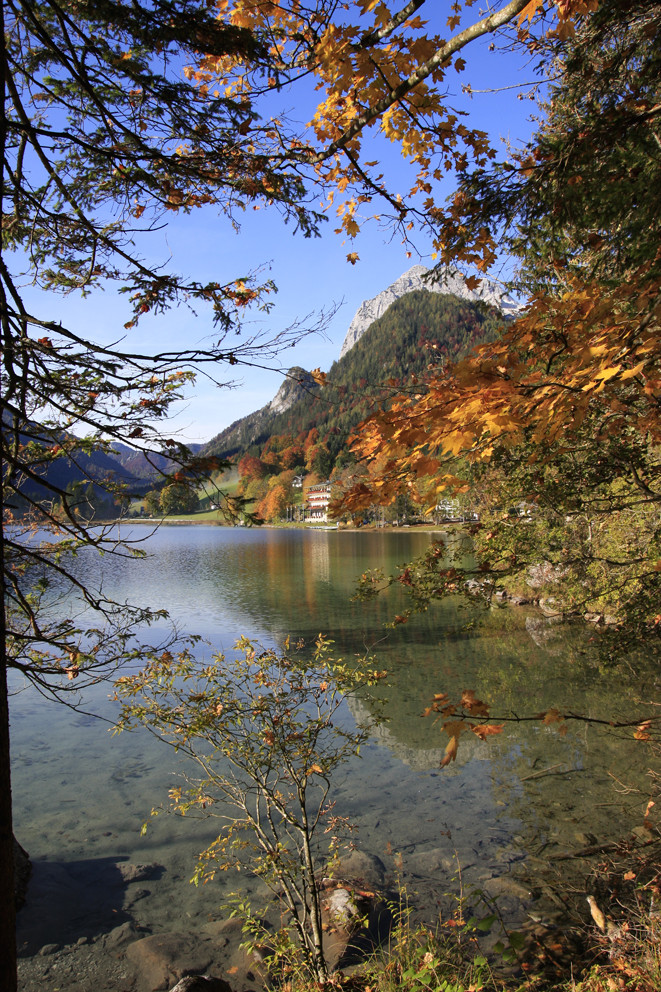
(474, 706)
(318, 376)
(454, 729)
(552, 716)
(450, 751)
(641, 732)
(486, 729)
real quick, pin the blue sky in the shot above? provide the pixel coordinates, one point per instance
(311, 274)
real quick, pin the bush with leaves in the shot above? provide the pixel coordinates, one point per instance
(267, 733)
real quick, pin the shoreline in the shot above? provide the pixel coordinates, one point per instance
(368, 528)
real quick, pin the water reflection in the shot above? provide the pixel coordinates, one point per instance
(527, 793)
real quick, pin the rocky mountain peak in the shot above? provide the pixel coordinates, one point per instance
(450, 282)
(295, 385)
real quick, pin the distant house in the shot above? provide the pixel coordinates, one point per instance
(317, 499)
(297, 482)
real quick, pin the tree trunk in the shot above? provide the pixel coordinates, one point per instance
(8, 980)
(320, 965)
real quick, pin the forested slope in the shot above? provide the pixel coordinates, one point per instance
(420, 330)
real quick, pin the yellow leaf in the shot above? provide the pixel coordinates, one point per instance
(607, 374)
(454, 729)
(630, 373)
(318, 376)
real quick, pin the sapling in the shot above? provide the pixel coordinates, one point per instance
(266, 731)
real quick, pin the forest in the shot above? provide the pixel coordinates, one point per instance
(419, 332)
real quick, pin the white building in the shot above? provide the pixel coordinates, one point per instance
(317, 499)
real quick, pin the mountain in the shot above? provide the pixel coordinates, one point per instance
(87, 473)
(450, 283)
(297, 387)
(416, 331)
(142, 465)
(86, 477)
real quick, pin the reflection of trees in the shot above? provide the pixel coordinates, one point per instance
(558, 780)
(269, 581)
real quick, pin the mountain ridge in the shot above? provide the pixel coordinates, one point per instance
(417, 329)
(450, 283)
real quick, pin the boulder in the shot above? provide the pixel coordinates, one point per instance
(364, 870)
(139, 873)
(125, 933)
(356, 920)
(344, 908)
(165, 958)
(201, 983)
(246, 966)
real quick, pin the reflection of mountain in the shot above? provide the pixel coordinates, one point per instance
(547, 788)
(410, 748)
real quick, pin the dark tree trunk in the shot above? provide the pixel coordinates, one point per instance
(8, 981)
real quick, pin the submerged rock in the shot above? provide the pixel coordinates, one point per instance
(139, 873)
(201, 983)
(166, 958)
(365, 870)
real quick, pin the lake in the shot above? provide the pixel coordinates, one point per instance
(489, 821)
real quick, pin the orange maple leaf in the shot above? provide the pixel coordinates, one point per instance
(454, 729)
(486, 729)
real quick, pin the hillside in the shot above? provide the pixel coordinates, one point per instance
(419, 329)
(145, 465)
(449, 283)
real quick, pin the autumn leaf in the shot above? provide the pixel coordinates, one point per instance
(475, 707)
(454, 729)
(642, 731)
(484, 730)
(353, 257)
(551, 716)
(529, 12)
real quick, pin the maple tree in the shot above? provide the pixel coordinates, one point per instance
(554, 427)
(273, 720)
(379, 69)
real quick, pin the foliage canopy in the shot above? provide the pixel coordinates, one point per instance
(560, 414)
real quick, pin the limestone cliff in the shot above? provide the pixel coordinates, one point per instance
(451, 282)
